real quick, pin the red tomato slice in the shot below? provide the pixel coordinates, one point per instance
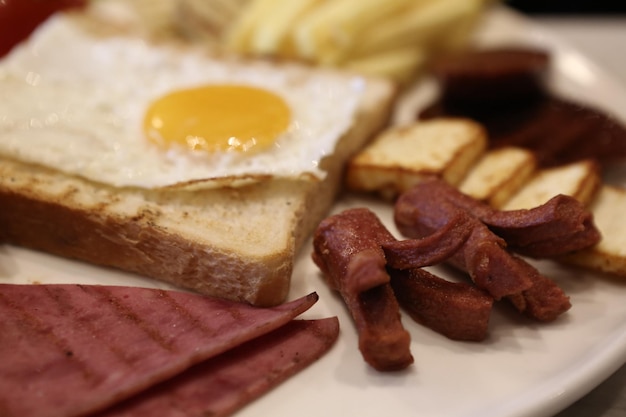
(18, 18)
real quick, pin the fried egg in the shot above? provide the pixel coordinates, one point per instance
(125, 112)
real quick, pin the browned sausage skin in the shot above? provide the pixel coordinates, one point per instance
(457, 310)
(493, 76)
(505, 90)
(559, 226)
(484, 256)
(360, 258)
(347, 250)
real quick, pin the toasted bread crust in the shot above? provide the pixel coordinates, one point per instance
(138, 242)
(236, 243)
(507, 178)
(609, 255)
(580, 179)
(402, 156)
(498, 174)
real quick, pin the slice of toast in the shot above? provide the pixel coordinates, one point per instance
(580, 180)
(505, 178)
(237, 243)
(609, 255)
(499, 174)
(401, 156)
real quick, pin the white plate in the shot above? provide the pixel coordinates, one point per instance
(523, 369)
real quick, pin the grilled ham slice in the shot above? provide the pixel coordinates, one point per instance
(224, 384)
(70, 350)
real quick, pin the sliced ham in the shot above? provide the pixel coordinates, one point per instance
(222, 385)
(71, 350)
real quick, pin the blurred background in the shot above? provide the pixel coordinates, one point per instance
(596, 28)
(596, 7)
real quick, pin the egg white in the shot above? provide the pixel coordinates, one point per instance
(75, 102)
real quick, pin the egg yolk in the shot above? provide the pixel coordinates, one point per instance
(218, 118)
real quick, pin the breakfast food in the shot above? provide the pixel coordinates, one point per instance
(580, 180)
(457, 310)
(428, 250)
(247, 121)
(250, 370)
(360, 258)
(537, 147)
(509, 179)
(498, 175)
(492, 77)
(339, 33)
(560, 225)
(557, 130)
(347, 249)
(400, 157)
(573, 144)
(96, 170)
(587, 132)
(608, 255)
(373, 272)
(84, 348)
(484, 256)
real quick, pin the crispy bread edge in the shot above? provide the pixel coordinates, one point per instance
(136, 244)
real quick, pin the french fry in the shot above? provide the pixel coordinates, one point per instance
(240, 34)
(336, 25)
(276, 37)
(458, 36)
(206, 20)
(400, 64)
(419, 25)
(391, 38)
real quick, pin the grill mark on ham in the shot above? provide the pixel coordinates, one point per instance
(128, 317)
(222, 385)
(87, 326)
(29, 325)
(53, 365)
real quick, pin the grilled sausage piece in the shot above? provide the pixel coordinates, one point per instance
(347, 250)
(429, 250)
(559, 226)
(484, 256)
(350, 243)
(505, 90)
(493, 76)
(457, 310)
